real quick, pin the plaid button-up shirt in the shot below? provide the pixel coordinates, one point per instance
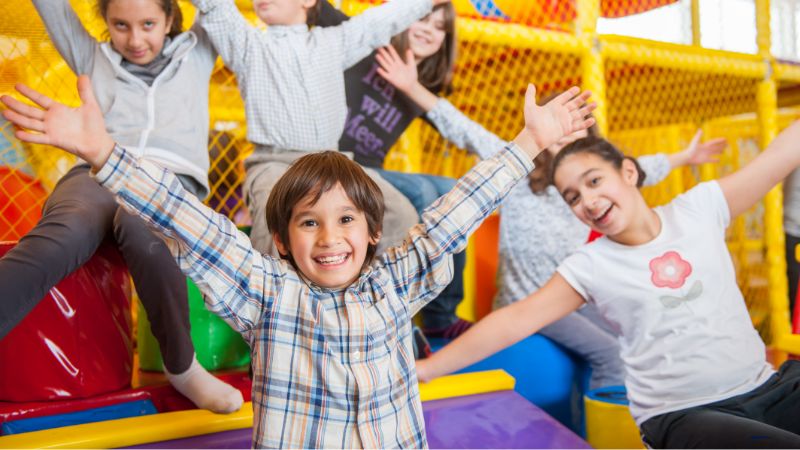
(331, 368)
(292, 78)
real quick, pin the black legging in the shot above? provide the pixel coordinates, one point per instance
(77, 217)
(792, 271)
(766, 417)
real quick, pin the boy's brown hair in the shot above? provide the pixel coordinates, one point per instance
(313, 175)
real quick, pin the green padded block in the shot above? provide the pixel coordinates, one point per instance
(216, 344)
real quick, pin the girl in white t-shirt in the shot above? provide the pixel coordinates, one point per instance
(696, 371)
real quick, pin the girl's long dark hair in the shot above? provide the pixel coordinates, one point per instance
(599, 147)
(541, 176)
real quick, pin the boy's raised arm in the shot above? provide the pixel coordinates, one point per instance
(421, 266)
(227, 29)
(237, 281)
(375, 27)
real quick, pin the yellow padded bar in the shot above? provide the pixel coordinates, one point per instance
(787, 72)
(133, 430)
(789, 343)
(183, 424)
(466, 384)
(517, 36)
(683, 57)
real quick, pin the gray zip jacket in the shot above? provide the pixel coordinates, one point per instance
(167, 122)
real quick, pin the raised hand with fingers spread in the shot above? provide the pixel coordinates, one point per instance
(80, 131)
(699, 152)
(400, 72)
(546, 124)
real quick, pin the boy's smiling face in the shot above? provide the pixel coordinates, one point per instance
(328, 239)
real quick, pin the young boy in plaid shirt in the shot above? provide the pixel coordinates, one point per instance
(328, 327)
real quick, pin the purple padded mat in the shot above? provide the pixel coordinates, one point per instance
(495, 420)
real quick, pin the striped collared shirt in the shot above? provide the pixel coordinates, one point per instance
(331, 368)
(292, 78)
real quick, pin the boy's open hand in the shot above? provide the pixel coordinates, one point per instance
(563, 115)
(80, 131)
(440, 2)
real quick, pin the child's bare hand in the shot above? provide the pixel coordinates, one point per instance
(563, 115)
(440, 2)
(401, 73)
(702, 153)
(80, 131)
(423, 372)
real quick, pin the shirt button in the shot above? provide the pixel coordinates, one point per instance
(356, 354)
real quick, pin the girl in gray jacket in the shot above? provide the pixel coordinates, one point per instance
(151, 81)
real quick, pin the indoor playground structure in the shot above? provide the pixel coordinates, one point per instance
(66, 384)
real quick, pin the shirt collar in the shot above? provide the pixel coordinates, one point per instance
(360, 283)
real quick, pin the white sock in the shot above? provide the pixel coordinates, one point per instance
(205, 390)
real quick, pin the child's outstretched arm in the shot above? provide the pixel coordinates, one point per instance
(228, 30)
(659, 165)
(237, 281)
(451, 123)
(421, 266)
(374, 27)
(697, 152)
(67, 33)
(503, 328)
(746, 186)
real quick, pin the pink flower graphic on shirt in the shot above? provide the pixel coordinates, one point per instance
(670, 270)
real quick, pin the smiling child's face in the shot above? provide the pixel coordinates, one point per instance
(328, 239)
(137, 29)
(600, 195)
(426, 36)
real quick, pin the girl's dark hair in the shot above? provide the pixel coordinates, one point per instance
(170, 8)
(312, 15)
(599, 147)
(541, 175)
(313, 175)
(436, 71)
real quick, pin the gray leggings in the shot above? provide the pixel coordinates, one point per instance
(77, 217)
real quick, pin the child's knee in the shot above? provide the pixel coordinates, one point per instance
(79, 218)
(133, 234)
